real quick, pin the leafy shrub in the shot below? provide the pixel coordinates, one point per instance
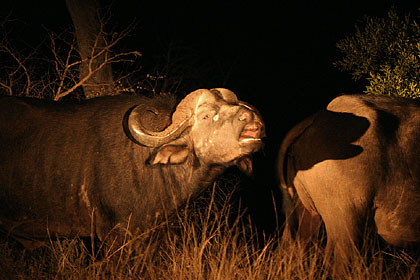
(385, 52)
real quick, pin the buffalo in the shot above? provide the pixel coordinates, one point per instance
(355, 167)
(116, 162)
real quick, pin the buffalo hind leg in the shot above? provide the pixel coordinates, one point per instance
(344, 235)
(301, 225)
(309, 224)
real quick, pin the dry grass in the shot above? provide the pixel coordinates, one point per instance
(203, 243)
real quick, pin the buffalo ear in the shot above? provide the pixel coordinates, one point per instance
(170, 154)
(245, 165)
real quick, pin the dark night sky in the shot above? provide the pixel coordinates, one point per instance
(263, 50)
(277, 55)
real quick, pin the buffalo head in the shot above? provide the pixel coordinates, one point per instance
(212, 125)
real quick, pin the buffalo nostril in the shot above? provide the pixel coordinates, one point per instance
(245, 116)
(254, 126)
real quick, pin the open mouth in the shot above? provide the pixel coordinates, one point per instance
(251, 134)
(250, 140)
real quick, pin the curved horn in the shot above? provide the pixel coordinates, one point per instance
(152, 138)
(181, 119)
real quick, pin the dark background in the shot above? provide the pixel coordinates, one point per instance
(276, 55)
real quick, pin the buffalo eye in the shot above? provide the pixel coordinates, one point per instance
(206, 112)
(208, 115)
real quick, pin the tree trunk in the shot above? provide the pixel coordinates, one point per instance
(91, 41)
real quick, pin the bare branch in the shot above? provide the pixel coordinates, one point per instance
(58, 73)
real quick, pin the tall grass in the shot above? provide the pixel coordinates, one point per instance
(205, 240)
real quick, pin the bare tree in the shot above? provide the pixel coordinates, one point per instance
(93, 48)
(94, 72)
(16, 71)
(82, 59)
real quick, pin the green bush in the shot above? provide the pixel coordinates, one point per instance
(385, 52)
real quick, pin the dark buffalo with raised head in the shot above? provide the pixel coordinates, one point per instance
(115, 162)
(356, 163)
